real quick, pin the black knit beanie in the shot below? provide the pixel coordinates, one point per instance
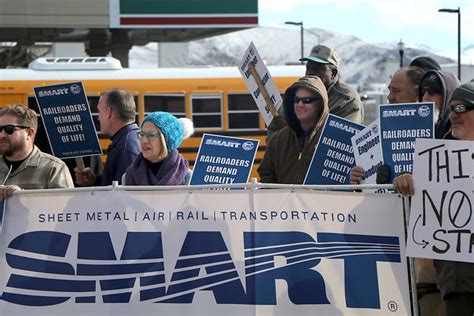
(464, 92)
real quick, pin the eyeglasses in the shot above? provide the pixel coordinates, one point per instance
(149, 135)
(461, 108)
(305, 100)
(10, 129)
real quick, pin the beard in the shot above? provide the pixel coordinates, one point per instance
(12, 148)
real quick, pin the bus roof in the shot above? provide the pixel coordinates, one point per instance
(146, 73)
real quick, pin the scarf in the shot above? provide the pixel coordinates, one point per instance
(173, 170)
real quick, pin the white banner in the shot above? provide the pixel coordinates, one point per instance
(441, 220)
(243, 252)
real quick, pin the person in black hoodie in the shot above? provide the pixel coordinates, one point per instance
(437, 86)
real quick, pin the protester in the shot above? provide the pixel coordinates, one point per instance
(426, 63)
(116, 109)
(455, 279)
(409, 85)
(159, 162)
(344, 101)
(290, 150)
(403, 88)
(23, 165)
(437, 86)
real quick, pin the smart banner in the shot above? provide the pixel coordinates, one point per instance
(334, 156)
(368, 151)
(224, 159)
(400, 125)
(203, 252)
(441, 223)
(251, 57)
(67, 119)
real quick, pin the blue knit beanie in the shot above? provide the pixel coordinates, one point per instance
(169, 126)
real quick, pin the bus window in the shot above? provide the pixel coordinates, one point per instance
(171, 103)
(93, 101)
(206, 111)
(243, 112)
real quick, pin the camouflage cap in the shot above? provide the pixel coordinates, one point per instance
(323, 55)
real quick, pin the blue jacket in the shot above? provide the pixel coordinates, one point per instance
(121, 153)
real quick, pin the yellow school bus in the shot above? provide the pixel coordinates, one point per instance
(216, 99)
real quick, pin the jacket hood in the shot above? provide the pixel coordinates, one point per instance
(449, 83)
(313, 84)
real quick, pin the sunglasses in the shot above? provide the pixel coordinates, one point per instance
(431, 91)
(149, 135)
(461, 108)
(305, 100)
(10, 129)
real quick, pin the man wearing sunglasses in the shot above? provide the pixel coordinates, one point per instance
(455, 279)
(437, 86)
(23, 165)
(289, 151)
(117, 110)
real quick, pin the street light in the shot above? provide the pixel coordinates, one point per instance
(458, 11)
(401, 49)
(302, 36)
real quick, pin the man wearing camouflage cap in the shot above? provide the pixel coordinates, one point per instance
(344, 101)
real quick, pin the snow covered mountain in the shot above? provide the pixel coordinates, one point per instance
(361, 62)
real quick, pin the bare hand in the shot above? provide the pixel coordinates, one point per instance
(404, 184)
(84, 176)
(7, 190)
(356, 175)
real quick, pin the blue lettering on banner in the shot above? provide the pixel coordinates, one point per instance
(204, 264)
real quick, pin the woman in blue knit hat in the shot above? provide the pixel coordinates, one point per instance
(159, 162)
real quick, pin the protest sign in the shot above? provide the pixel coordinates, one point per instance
(203, 252)
(441, 219)
(260, 83)
(67, 119)
(368, 151)
(333, 157)
(224, 159)
(400, 125)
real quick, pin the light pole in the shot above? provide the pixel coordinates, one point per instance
(458, 11)
(401, 50)
(302, 36)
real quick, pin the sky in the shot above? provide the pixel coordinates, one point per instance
(415, 22)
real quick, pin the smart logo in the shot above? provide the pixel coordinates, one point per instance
(247, 146)
(204, 264)
(75, 89)
(424, 111)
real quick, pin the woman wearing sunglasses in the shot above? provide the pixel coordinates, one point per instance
(289, 151)
(159, 162)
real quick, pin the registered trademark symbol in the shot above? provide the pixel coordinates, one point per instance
(392, 306)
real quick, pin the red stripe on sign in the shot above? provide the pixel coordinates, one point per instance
(190, 21)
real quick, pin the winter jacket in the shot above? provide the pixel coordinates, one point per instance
(38, 171)
(449, 82)
(283, 161)
(345, 102)
(121, 153)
